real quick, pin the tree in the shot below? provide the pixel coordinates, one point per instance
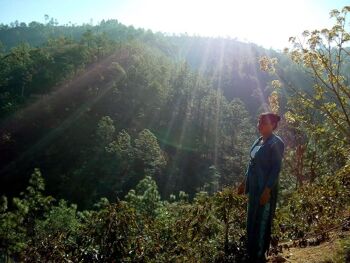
(324, 55)
(18, 224)
(317, 114)
(145, 199)
(148, 153)
(105, 131)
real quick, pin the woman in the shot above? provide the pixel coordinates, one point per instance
(261, 185)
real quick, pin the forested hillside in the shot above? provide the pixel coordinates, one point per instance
(67, 95)
(125, 143)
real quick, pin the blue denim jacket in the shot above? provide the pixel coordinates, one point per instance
(263, 170)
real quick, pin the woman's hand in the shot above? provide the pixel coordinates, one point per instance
(240, 189)
(264, 198)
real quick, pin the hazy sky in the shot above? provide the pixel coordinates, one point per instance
(265, 22)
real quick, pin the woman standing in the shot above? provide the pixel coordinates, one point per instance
(261, 185)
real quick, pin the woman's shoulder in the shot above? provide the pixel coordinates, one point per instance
(279, 139)
(276, 139)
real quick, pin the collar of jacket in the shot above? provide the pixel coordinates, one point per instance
(269, 139)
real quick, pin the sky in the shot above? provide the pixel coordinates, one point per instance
(268, 23)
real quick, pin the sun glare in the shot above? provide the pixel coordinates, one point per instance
(263, 22)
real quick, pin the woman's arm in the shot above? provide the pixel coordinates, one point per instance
(277, 151)
(241, 187)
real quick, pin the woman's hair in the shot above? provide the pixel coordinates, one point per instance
(273, 117)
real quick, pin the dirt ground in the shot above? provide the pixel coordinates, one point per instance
(326, 252)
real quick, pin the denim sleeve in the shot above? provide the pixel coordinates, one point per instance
(277, 152)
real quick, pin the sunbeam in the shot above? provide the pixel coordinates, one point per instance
(71, 88)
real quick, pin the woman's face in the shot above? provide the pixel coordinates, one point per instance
(265, 126)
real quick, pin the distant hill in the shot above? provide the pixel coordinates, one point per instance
(198, 96)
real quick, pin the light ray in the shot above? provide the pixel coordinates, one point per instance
(35, 110)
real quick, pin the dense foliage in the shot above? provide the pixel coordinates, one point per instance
(141, 228)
